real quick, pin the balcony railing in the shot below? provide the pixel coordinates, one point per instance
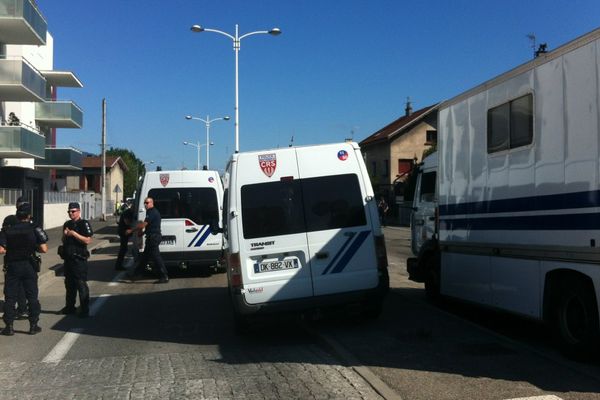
(67, 158)
(21, 142)
(21, 22)
(20, 81)
(59, 114)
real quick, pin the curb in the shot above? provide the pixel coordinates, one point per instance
(351, 361)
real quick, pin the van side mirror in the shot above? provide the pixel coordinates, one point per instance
(215, 228)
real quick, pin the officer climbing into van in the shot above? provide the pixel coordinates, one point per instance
(77, 235)
(125, 221)
(19, 242)
(151, 227)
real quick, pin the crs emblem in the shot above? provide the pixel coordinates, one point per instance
(268, 163)
(211, 179)
(164, 179)
(342, 155)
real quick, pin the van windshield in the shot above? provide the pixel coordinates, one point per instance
(196, 204)
(302, 205)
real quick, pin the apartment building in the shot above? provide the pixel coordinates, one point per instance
(30, 109)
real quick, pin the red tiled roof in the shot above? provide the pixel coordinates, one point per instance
(396, 126)
(96, 162)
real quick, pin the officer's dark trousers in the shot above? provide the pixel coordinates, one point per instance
(76, 282)
(152, 253)
(122, 250)
(20, 274)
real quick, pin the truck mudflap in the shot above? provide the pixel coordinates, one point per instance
(417, 266)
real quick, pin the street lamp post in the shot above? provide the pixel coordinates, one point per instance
(236, 48)
(207, 122)
(198, 146)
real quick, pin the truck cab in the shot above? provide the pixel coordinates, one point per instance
(422, 221)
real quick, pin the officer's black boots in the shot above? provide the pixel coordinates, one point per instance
(34, 328)
(8, 330)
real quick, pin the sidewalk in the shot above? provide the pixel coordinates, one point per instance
(52, 263)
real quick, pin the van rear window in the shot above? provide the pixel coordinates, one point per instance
(302, 205)
(196, 204)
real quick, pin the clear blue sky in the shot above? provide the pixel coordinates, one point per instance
(339, 66)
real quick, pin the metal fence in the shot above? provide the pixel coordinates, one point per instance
(61, 197)
(8, 197)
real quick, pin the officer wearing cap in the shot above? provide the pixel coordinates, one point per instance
(77, 234)
(9, 221)
(19, 242)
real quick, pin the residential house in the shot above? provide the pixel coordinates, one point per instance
(392, 152)
(91, 177)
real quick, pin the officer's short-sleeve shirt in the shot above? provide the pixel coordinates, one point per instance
(40, 235)
(153, 220)
(81, 226)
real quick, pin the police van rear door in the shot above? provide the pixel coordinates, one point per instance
(340, 238)
(273, 251)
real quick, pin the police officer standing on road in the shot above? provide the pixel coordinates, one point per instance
(77, 234)
(19, 242)
(151, 227)
(9, 221)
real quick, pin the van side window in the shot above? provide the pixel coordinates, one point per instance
(225, 211)
(427, 187)
(510, 125)
(302, 205)
(196, 204)
(333, 202)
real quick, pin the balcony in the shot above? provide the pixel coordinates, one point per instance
(21, 22)
(58, 114)
(65, 158)
(21, 142)
(20, 81)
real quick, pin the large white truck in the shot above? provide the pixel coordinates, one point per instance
(518, 195)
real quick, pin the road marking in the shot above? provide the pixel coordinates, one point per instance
(68, 340)
(117, 279)
(63, 346)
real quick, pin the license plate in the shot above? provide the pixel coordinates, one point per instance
(268, 266)
(167, 240)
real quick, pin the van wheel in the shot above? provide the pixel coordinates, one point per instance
(432, 278)
(241, 324)
(576, 319)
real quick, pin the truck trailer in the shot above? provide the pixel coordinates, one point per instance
(517, 196)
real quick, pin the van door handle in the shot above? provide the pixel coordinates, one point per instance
(190, 230)
(322, 254)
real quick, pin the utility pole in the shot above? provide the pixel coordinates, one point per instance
(103, 181)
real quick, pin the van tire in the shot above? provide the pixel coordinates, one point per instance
(432, 277)
(576, 322)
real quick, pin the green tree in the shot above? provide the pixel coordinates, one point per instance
(135, 168)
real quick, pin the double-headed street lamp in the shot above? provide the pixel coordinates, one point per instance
(198, 145)
(236, 48)
(207, 122)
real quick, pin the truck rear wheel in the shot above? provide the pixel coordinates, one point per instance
(576, 319)
(432, 278)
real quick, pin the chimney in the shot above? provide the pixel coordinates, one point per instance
(408, 109)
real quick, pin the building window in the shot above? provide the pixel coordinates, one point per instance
(510, 125)
(405, 165)
(431, 137)
(386, 168)
(374, 168)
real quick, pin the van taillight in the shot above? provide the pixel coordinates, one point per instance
(381, 253)
(235, 270)
(188, 223)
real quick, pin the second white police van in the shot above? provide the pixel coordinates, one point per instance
(303, 231)
(190, 203)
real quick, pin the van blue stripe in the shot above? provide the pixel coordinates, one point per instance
(340, 251)
(203, 238)
(566, 222)
(351, 252)
(574, 200)
(196, 237)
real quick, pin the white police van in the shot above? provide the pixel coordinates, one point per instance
(189, 202)
(302, 231)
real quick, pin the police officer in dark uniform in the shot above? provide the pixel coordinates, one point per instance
(77, 234)
(9, 221)
(19, 242)
(151, 227)
(125, 220)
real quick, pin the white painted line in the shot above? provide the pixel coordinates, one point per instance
(117, 278)
(546, 397)
(63, 346)
(68, 340)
